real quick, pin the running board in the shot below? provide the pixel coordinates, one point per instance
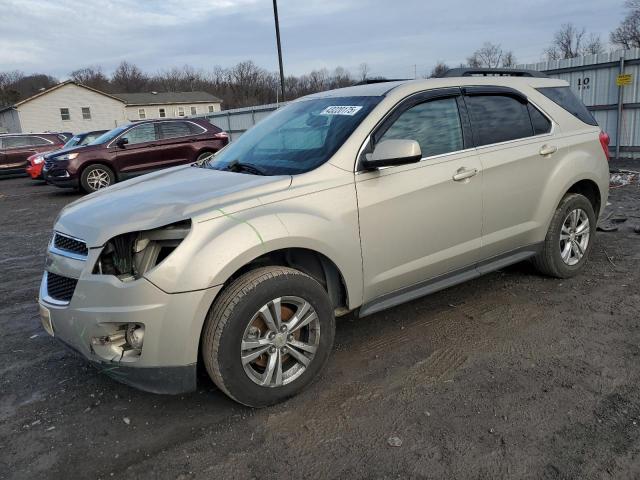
(448, 280)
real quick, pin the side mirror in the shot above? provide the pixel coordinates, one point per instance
(390, 153)
(122, 141)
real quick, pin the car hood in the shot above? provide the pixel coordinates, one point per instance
(161, 198)
(77, 148)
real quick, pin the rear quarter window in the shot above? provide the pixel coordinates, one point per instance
(564, 97)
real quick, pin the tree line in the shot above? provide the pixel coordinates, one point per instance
(247, 84)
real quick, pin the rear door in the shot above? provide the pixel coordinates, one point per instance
(418, 222)
(16, 151)
(177, 143)
(512, 136)
(142, 151)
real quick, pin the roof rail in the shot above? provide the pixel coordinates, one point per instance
(370, 81)
(492, 72)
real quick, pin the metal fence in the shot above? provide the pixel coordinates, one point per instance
(593, 79)
(238, 120)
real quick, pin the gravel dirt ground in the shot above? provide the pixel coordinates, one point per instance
(512, 375)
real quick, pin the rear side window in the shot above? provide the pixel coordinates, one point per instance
(498, 118)
(141, 134)
(37, 141)
(435, 125)
(540, 123)
(15, 142)
(174, 129)
(564, 97)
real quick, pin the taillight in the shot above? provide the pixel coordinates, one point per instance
(604, 141)
(224, 136)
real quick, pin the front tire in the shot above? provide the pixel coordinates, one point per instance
(96, 177)
(569, 239)
(268, 335)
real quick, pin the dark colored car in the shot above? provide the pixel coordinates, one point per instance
(16, 148)
(36, 161)
(134, 149)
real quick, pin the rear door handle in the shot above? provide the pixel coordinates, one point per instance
(464, 173)
(548, 150)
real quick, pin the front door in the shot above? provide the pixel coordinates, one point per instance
(140, 153)
(424, 220)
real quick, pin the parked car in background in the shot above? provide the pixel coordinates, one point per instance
(36, 161)
(134, 149)
(16, 148)
(352, 200)
(66, 136)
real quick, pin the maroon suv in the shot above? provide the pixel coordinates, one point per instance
(134, 149)
(15, 148)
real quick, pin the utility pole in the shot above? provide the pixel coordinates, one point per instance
(275, 15)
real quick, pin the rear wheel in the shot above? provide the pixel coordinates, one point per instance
(268, 335)
(569, 239)
(96, 177)
(203, 157)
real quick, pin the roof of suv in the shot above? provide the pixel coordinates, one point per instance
(383, 88)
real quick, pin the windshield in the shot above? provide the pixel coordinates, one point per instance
(110, 135)
(73, 141)
(297, 138)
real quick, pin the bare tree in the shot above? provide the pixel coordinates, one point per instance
(128, 78)
(438, 70)
(491, 56)
(93, 77)
(363, 71)
(627, 34)
(570, 42)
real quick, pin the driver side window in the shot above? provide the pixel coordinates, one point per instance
(141, 134)
(434, 124)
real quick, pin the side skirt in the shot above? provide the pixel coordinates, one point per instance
(448, 279)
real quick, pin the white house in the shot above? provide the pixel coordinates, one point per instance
(73, 107)
(168, 104)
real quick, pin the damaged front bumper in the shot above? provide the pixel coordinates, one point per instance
(95, 311)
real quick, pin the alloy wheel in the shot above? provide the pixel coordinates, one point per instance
(98, 178)
(280, 341)
(574, 236)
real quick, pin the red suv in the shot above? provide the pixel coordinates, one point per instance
(134, 149)
(15, 148)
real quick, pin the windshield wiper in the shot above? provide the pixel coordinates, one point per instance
(236, 166)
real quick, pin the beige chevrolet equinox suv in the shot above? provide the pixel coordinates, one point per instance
(351, 200)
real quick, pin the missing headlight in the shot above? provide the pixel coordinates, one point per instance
(131, 255)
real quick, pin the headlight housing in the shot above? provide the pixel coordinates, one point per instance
(66, 156)
(130, 255)
(38, 160)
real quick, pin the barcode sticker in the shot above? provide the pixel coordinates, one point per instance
(341, 110)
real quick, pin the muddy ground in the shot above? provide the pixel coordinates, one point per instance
(512, 375)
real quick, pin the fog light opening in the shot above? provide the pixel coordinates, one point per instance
(135, 336)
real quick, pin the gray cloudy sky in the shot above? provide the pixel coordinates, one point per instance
(58, 36)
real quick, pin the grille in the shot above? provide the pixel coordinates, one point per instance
(48, 164)
(70, 244)
(60, 288)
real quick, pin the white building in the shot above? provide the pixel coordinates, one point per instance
(73, 107)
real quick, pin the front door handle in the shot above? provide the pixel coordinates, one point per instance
(548, 150)
(464, 173)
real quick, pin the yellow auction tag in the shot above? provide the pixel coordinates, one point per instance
(624, 79)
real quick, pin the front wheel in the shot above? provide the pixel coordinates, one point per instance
(268, 335)
(569, 239)
(96, 177)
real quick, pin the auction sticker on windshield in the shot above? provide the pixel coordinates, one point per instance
(341, 110)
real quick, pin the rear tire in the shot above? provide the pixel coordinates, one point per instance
(96, 177)
(569, 239)
(202, 157)
(253, 363)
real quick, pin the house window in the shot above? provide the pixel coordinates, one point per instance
(194, 110)
(142, 114)
(86, 113)
(211, 109)
(162, 113)
(64, 114)
(181, 111)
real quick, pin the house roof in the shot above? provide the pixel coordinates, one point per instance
(161, 98)
(55, 87)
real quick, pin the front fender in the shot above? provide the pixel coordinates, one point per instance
(325, 222)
